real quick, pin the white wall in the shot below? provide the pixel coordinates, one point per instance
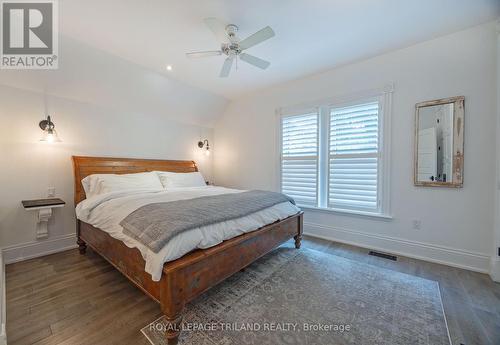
(495, 260)
(456, 224)
(102, 106)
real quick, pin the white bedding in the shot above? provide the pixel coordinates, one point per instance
(106, 211)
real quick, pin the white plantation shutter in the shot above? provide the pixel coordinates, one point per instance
(353, 157)
(299, 158)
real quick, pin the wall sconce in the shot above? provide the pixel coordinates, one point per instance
(204, 143)
(49, 132)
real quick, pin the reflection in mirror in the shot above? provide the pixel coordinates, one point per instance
(439, 142)
(435, 143)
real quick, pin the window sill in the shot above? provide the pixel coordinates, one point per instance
(348, 212)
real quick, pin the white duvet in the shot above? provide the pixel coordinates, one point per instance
(106, 211)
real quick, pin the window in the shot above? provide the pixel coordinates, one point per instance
(299, 162)
(353, 157)
(333, 157)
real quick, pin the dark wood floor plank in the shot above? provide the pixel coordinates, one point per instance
(464, 326)
(481, 290)
(491, 324)
(69, 327)
(69, 299)
(31, 337)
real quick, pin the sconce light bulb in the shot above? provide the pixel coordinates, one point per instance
(207, 152)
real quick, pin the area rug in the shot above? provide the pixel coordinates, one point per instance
(308, 297)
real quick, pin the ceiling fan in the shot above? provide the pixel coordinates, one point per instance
(232, 46)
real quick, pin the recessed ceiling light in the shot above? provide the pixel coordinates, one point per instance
(169, 67)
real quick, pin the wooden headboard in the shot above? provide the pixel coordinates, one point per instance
(85, 166)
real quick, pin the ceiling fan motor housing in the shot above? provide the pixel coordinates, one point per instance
(231, 48)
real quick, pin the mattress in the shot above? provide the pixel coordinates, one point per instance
(106, 211)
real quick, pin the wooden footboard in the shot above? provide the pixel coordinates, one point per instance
(188, 277)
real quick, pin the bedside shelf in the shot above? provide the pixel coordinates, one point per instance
(44, 208)
(43, 203)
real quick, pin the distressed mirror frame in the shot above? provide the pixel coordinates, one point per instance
(458, 142)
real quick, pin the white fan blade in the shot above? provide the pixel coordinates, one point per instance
(226, 68)
(256, 38)
(218, 28)
(253, 60)
(203, 54)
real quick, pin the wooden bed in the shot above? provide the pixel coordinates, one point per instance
(189, 276)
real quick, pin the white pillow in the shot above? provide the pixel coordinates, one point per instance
(179, 180)
(105, 183)
(88, 184)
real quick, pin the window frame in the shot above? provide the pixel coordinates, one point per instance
(323, 107)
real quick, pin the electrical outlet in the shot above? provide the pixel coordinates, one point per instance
(51, 192)
(417, 224)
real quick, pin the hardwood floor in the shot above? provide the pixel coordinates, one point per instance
(71, 299)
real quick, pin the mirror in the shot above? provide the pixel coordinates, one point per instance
(439, 143)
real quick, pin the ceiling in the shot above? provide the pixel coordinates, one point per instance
(311, 35)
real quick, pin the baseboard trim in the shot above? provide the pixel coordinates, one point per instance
(417, 250)
(30, 250)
